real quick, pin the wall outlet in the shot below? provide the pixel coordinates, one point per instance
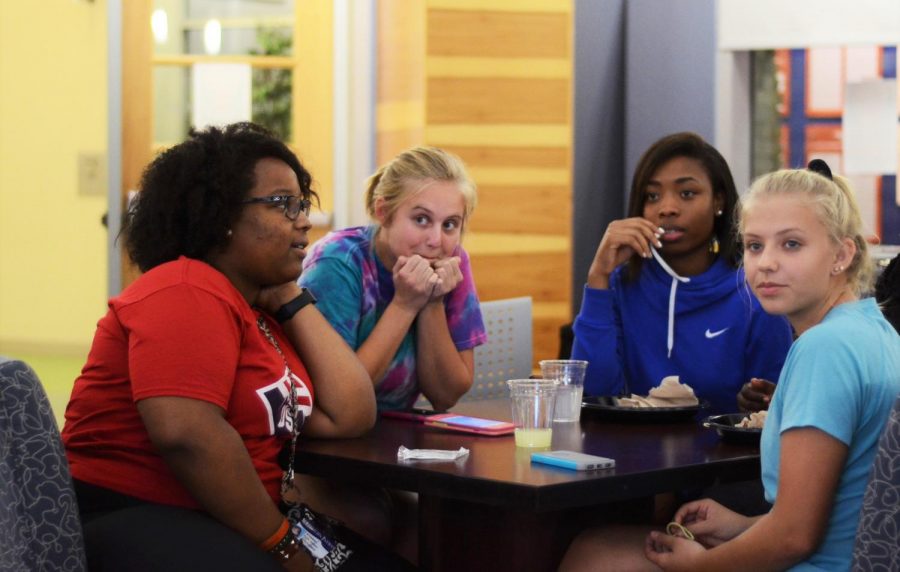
(92, 174)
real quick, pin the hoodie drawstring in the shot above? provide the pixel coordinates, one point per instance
(670, 339)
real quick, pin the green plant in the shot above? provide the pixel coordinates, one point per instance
(766, 126)
(271, 98)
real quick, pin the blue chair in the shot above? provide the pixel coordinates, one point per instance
(39, 523)
(878, 535)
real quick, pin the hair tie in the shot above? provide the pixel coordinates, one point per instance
(820, 167)
(678, 529)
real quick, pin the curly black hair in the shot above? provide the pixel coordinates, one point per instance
(191, 194)
(887, 292)
(691, 146)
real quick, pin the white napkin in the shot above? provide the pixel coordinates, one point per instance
(404, 454)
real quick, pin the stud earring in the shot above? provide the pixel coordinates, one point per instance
(229, 233)
(719, 212)
(837, 270)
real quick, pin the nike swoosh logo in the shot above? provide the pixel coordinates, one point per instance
(711, 335)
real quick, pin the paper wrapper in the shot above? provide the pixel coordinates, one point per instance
(404, 454)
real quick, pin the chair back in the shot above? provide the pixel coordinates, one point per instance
(39, 524)
(877, 545)
(507, 353)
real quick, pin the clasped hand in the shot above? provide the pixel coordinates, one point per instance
(418, 281)
(709, 522)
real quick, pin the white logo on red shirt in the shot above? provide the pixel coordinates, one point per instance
(275, 399)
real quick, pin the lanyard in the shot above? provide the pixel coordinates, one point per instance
(287, 480)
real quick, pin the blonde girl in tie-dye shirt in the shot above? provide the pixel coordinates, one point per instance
(400, 291)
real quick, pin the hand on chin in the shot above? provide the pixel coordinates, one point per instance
(271, 298)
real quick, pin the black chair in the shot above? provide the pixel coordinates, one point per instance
(566, 341)
(887, 292)
(39, 524)
(877, 542)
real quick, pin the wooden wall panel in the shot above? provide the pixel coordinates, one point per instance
(492, 83)
(498, 34)
(543, 276)
(545, 338)
(497, 100)
(400, 61)
(389, 144)
(548, 318)
(477, 156)
(401, 50)
(137, 109)
(536, 209)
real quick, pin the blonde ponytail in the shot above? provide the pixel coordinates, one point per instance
(835, 205)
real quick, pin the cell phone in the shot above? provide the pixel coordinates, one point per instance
(573, 460)
(411, 414)
(468, 424)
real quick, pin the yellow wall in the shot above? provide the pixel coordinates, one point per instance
(312, 103)
(52, 107)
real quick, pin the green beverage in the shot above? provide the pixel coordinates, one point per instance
(533, 437)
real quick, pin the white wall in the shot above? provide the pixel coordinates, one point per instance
(743, 25)
(767, 24)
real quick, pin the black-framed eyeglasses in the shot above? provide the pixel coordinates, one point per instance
(292, 205)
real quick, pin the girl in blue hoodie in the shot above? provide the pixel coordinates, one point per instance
(664, 294)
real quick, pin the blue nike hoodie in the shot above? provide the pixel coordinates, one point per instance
(709, 330)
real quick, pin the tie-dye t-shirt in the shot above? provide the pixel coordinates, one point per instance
(353, 290)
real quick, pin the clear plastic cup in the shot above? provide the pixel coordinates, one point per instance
(570, 374)
(533, 403)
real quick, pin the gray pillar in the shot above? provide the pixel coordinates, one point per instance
(670, 72)
(599, 130)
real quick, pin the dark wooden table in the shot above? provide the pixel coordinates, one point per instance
(495, 510)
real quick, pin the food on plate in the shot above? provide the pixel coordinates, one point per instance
(669, 393)
(755, 420)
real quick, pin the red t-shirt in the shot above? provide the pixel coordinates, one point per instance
(182, 329)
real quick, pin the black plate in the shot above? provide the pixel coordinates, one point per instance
(725, 427)
(605, 408)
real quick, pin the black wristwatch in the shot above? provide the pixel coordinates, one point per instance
(287, 311)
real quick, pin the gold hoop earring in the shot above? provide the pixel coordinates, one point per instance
(714, 245)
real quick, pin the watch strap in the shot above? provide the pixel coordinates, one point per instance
(287, 311)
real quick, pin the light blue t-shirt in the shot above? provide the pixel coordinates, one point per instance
(841, 377)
